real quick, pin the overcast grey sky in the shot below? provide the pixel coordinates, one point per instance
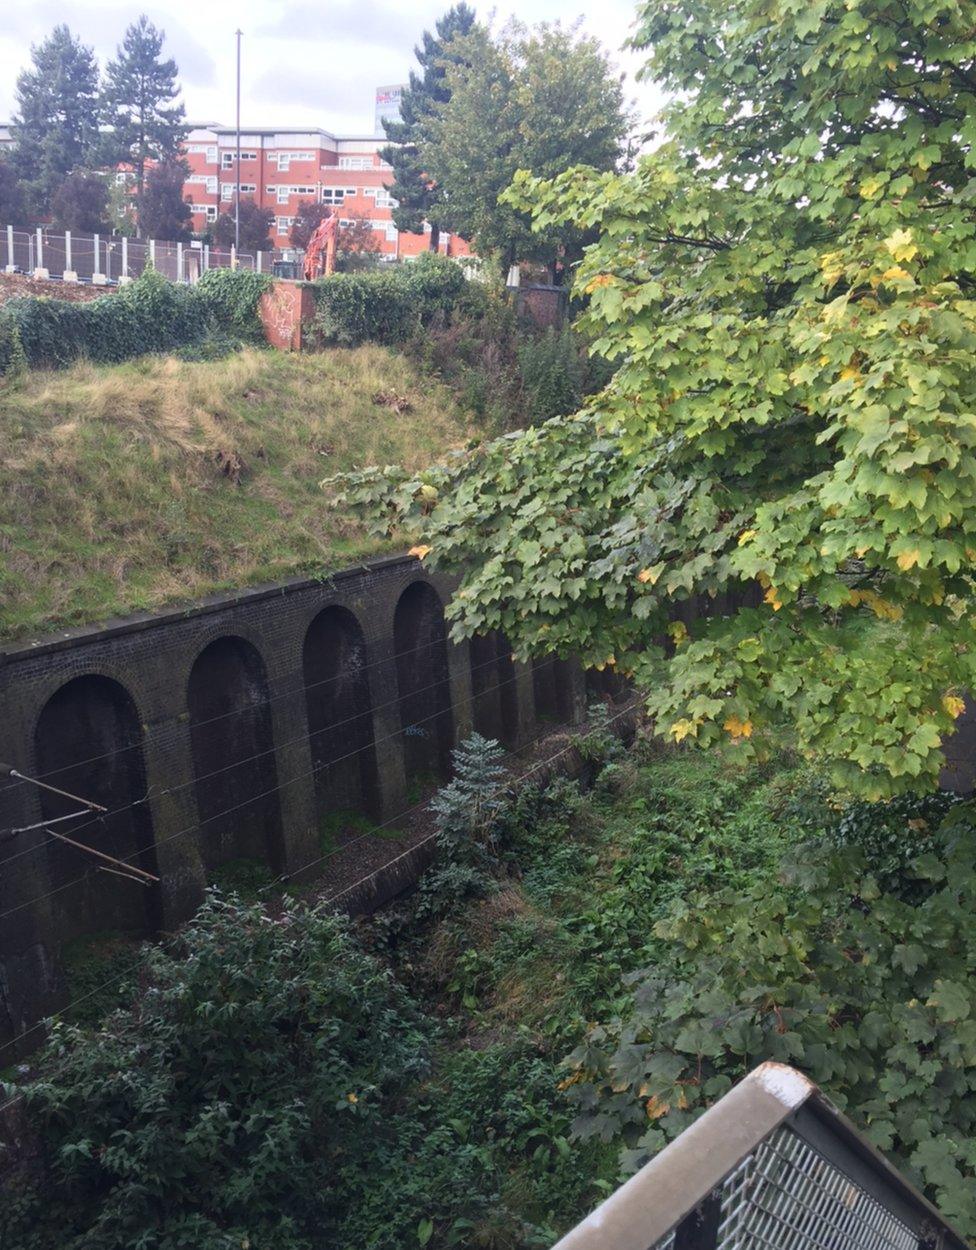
(303, 63)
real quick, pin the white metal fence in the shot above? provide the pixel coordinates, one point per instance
(104, 259)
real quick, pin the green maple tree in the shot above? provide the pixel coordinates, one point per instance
(768, 517)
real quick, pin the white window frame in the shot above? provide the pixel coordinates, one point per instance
(337, 196)
(229, 156)
(381, 196)
(356, 162)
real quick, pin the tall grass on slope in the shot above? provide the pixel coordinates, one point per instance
(138, 485)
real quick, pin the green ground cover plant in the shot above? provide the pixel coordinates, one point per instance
(446, 1018)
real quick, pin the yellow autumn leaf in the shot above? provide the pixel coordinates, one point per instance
(746, 535)
(353, 1098)
(420, 551)
(651, 574)
(880, 607)
(428, 492)
(656, 1107)
(602, 279)
(900, 245)
(954, 705)
(907, 560)
(849, 374)
(738, 728)
(678, 632)
(772, 598)
(896, 274)
(682, 728)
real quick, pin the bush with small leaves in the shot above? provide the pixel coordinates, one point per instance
(241, 1098)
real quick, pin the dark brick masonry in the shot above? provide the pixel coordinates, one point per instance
(228, 731)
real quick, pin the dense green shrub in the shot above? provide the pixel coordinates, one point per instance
(148, 315)
(239, 1100)
(385, 305)
(433, 284)
(232, 296)
(552, 373)
(892, 835)
(869, 992)
(353, 308)
(12, 358)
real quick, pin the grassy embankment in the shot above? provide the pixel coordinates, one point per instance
(158, 481)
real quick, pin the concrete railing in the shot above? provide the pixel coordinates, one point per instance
(772, 1166)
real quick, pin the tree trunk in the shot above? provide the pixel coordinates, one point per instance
(435, 238)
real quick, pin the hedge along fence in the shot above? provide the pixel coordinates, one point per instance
(384, 306)
(149, 315)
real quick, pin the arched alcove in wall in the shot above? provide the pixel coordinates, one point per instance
(494, 696)
(423, 686)
(552, 687)
(233, 755)
(88, 741)
(603, 685)
(340, 718)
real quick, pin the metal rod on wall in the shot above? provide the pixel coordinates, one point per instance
(237, 190)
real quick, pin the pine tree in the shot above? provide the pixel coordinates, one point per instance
(13, 206)
(411, 186)
(56, 124)
(139, 103)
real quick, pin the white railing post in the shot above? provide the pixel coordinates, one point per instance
(257, 264)
(152, 253)
(10, 250)
(69, 274)
(125, 256)
(39, 270)
(206, 257)
(179, 262)
(98, 278)
(233, 256)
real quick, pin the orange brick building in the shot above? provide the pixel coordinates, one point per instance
(280, 167)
